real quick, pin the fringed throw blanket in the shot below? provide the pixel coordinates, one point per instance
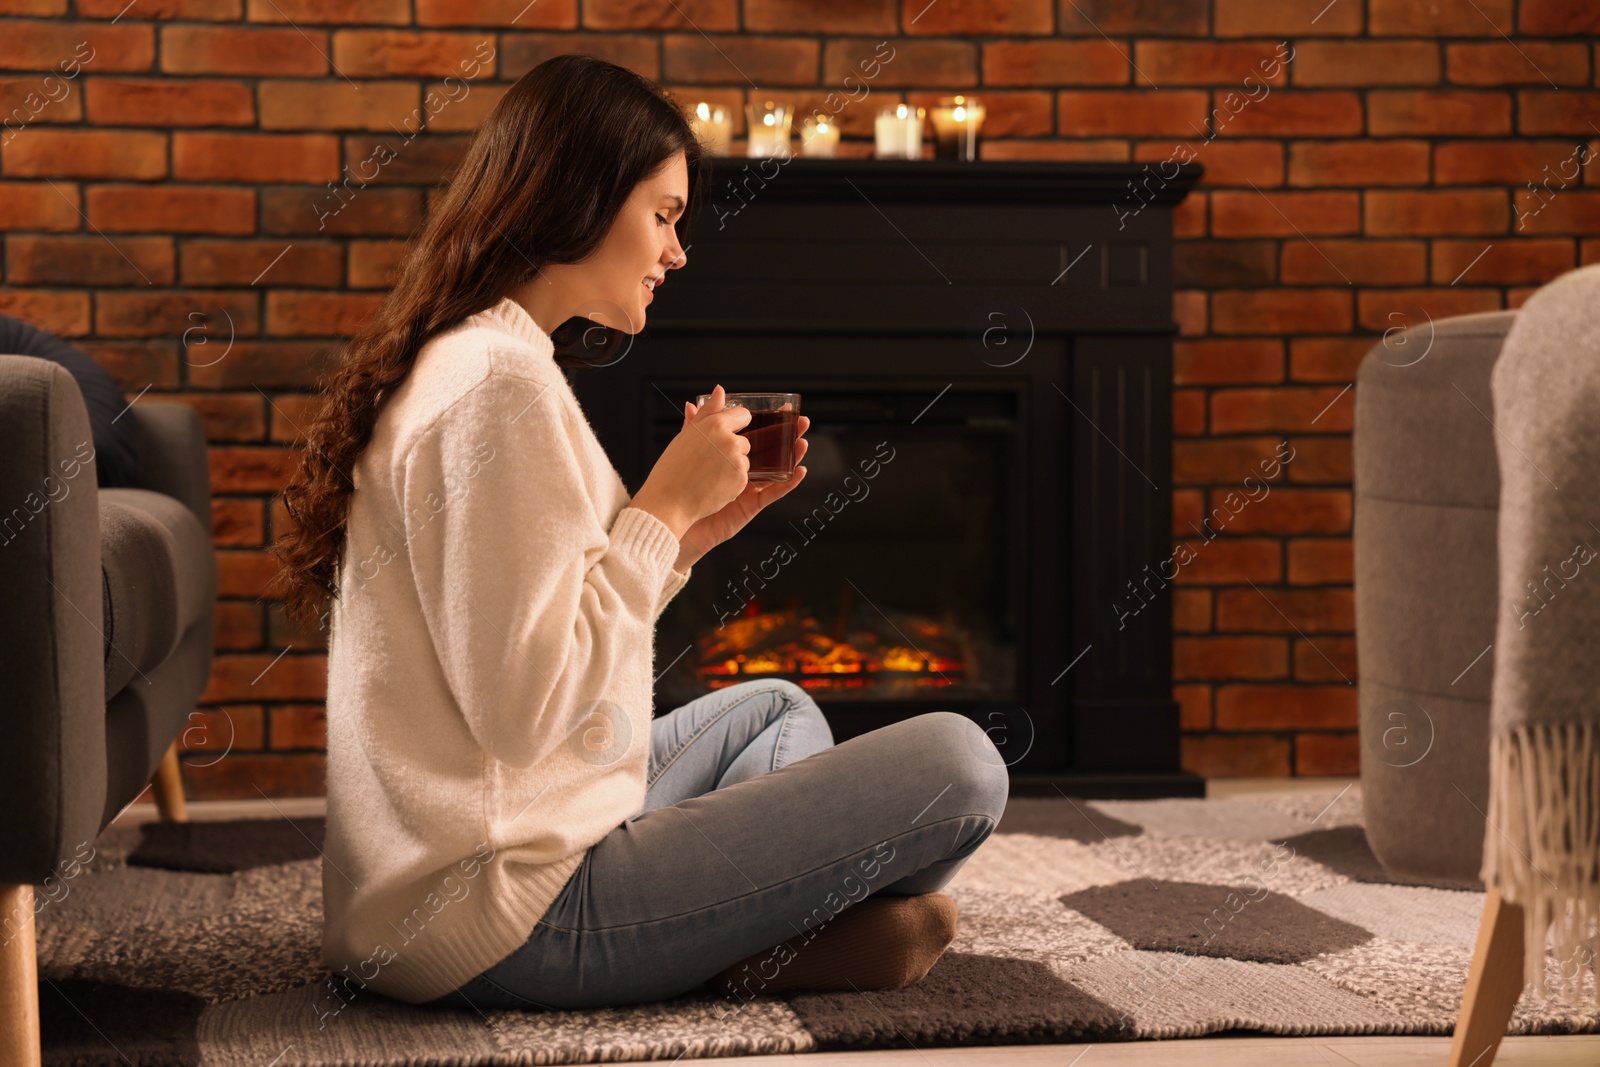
(1542, 844)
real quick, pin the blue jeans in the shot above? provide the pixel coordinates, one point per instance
(756, 829)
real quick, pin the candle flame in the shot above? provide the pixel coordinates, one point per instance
(703, 111)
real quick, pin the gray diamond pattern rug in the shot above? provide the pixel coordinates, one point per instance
(199, 944)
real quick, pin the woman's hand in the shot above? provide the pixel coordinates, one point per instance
(719, 526)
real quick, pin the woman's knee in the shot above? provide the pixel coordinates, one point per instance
(963, 753)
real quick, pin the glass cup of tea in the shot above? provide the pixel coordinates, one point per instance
(772, 431)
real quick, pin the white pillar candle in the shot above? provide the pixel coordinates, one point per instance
(820, 137)
(898, 132)
(713, 125)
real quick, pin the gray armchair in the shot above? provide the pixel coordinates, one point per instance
(105, 642)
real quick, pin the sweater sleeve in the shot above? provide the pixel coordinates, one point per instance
(533, 604)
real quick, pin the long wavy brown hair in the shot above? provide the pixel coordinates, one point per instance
(540, 184)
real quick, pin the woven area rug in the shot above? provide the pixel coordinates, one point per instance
(1079, 921)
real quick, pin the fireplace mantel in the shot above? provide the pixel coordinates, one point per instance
(1040, 291)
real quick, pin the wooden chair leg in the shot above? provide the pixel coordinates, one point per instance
(168, 787)
(1493, 985)
(19, 978)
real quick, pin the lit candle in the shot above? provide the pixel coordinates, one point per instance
(713, 125)
(820, 137)
(956, 123)
(768, 129)
(898, 132)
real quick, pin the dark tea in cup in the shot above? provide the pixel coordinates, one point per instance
(772, 431)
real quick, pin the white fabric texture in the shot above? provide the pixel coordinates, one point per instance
(490, 662)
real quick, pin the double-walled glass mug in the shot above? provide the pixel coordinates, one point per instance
(772, 430)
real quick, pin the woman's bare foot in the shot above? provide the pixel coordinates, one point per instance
(883, 942)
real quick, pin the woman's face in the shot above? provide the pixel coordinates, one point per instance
(641, 246)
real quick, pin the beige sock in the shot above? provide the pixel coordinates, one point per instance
(882, 942)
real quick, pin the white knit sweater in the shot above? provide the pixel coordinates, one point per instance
(489, 663)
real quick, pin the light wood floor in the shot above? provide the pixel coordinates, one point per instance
(1576, 1051)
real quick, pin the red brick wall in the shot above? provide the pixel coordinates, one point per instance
(162, 158)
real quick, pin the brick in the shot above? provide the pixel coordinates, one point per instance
(1439, 111)
(1224, 263)
(319, 314)
(293, 210)
(1322, 755)
(1286, 707)
(1589, 251)
(230, 50)
(1325, 659)
(1316, 409)
(1559, 17)
(1439, 18)
(1522, 63)
(1362, 163)
(1194, 706)
(1321, 560)
(1189, 217)
(299, 726)
(1363, 63)
(1231, 361)
(1229, 658)
(400, 53)
(222, 731)
(1188, 412)
(291, 414)
(172, 209)
(1222, 63)
(1189, 309)
(39, 206)
(1283, 511)
(706, 15)
(229, 416)
(1289, 113)
(1226, 162)
(32, 99)
(1568, 212)
(774, 60)
(1235, 757)
(467, 112)
(170, 313)
(1191, 610)
(250, 469)
(238, 522)
(1054, 63)
(267, 262)
(1229, 559)
(987, 17)
(514, 14)
(1236, 213)
(47, 153)
(164, 102)
(912, 64)
(1516, 297)
(136, 364)
(255, 157)
(191, 10)
(1355, 262)
(1320, 460)
(1245, 311)
(1225, 461)
(236, 624)
(1273, 18)
(1513, 262)
(338, 105)
(262, 364)
(1557, 111)
(244, 574)
(1444, 213)
(373, 264)
(1130, 112)
(1512, 162)
(1155, 17)
(33, 7)
(72, 47)
(881, 17)
(1380, 309)
(65, 314)
(1188, 505)
(635, 51)
(88, 260)
(1326, 359)
(334, 12)
(1074, 151)
(244, 776)
(1287, 610)
(376, 159)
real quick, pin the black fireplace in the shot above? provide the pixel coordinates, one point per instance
(984, 351)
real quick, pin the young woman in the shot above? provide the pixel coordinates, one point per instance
(507, 825)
